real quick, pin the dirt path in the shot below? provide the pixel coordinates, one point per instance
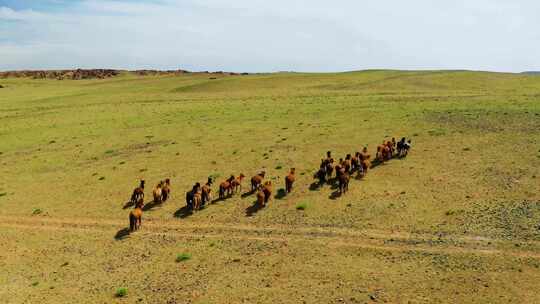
(327, 236)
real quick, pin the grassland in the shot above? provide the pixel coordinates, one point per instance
(457, 221)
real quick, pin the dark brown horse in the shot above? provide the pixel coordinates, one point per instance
(138, 193)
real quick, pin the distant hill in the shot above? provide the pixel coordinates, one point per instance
(532, 73)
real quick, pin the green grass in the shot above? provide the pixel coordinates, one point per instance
(472, 173)
(182, 257)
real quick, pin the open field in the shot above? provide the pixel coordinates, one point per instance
(457, 221)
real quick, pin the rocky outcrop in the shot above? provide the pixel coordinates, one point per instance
(62, 74)
(99, 73)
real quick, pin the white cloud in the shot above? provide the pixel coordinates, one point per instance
(257, 35)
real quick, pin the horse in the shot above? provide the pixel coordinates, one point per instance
(365, 160)
(207, 191)
(157, 192)
(257, 180)
(226, 186)
(138, 193)
(135, 216)
(343, 179)
(289, 180)
(166, 190)
(390, 149)
(236, 184)
(401, 147)
(267, 190)
(347, 163)
(329, 168)
(197, 199)
(355, 162)
(260, 196)
(190, 195)
(321, 173)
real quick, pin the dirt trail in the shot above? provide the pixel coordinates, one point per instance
(327, 236)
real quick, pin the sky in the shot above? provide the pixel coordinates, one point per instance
(271, 35)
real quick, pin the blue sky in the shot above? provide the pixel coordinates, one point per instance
(266, 36)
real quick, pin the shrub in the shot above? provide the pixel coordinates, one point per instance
(37, 211)
(301, 206)
(182, 257)
(279, 167)
(3, 194)
(109, 152)
(102, 178)
(121, 292)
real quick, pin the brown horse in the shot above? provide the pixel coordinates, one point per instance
(347, 164)
(207, 191)
(157, 193)
(138, 193)
(365, 159)
(329, 163)
(260, 196)
(135, 216)
(355, 162)
(390, 149)
(226, 187)
(343, 179)
(166, 190)
(257, 180)
(267, 190)
(289, 180)
(197, 199)
(236, 184)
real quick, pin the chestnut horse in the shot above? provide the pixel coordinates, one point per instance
(166, 190)
(157, 193)
(289, 180)
(135, 216)
(207, 191)
(226, 186)
(257, 180)
(236, 184)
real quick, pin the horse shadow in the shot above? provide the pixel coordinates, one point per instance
(253, 209)
(335, 195)
(315, 186)
(128, 204)
(281, 193)
(183, 212)
(376, 162)
(246, 194)
(153, 204)
(122, 234)
(217, 200)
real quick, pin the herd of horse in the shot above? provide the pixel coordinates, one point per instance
(200, 195)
